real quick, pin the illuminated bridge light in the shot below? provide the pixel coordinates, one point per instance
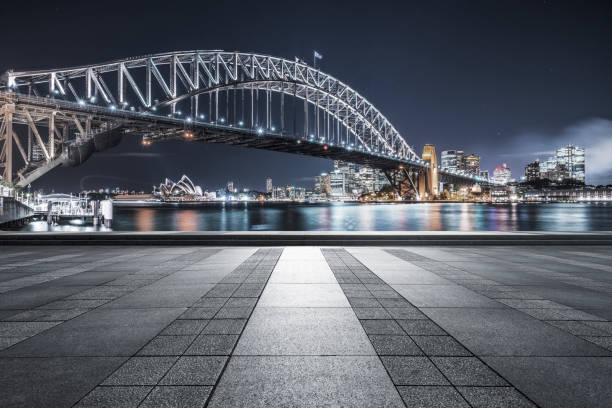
(81, 102)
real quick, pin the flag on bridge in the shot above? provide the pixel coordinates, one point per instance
(317, 55)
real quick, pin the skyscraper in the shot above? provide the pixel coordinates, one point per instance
(230, 186)
(472, 163)
(572, 158)
(502, 175)
(268, 185)
(452, 160)
(532, 171)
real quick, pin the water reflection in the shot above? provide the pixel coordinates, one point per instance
(355, 217)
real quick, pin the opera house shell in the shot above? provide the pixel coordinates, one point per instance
(183, 189)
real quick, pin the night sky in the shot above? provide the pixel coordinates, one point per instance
(509, 80)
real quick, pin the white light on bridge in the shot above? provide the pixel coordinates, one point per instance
(92, 99)
(259, 131)
(241, 123)
(201, 116)
(81, 102)
(222, 120)
(188, 119)
(113, 107)
(273, 128)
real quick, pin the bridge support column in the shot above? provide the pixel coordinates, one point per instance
(405, 182)
(428, 179)
(6, 134)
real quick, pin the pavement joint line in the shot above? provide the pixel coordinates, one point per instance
(355, 264)
(262, 257)
(563, 309)
(138, 255)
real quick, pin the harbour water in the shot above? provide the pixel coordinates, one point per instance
(254, 216)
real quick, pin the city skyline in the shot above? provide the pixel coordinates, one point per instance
(518, 92)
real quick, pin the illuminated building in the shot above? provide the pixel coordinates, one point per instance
(502, 175)
(532, 171)
(183, 189)
(572, 158)
(452, 160)
(471, 164)
(268, 185)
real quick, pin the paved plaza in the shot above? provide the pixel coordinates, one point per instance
(189, 326)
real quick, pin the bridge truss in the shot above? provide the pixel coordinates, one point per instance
(62, 116)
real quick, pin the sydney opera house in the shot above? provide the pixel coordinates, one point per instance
(183, 190)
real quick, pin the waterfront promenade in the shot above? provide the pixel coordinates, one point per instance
(354, 326)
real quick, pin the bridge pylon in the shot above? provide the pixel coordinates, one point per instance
(416, 183)
(428, 178)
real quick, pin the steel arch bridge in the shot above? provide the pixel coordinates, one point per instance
(62, 116)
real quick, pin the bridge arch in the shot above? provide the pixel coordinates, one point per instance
(166, 80)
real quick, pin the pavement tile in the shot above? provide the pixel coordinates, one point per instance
(305, 381)
(177, 397)
(363, 302)
(395, 303)
(381, 327)
(605, 326)
(120, 397)
(241, 302)
(421, 327)
(432, 397)
(440, 346)
(304, 331)
(47, 315)
(184, 328)
(213, 345)
(224, 326)
(199, 313)
(24, 329)
(468, 371)
(167, 346)
(216, 302)
(413, 371)
(234, 313)
(141, 371)
(386, 345)
(371, 313)
(6, 342)
(405, 313)
(201, 370)
(75, 304)
(577, 328)
(605, 342)
(495, 397)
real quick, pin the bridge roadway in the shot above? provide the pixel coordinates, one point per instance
(445, 326)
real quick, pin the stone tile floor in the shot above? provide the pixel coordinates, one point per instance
(305, 326)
